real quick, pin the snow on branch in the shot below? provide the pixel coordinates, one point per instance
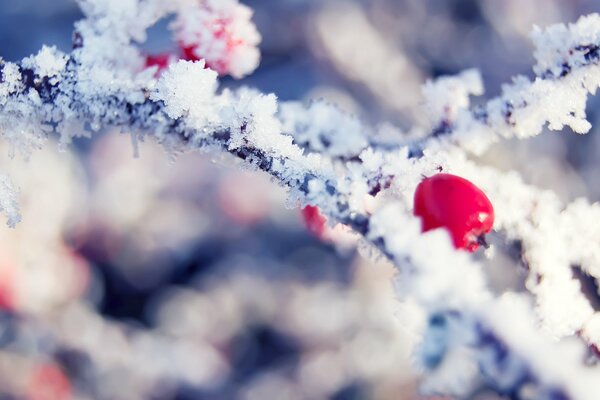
(472, 340)
(557, 245)
(567, 71)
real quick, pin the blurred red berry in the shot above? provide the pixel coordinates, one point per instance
(48, 382)
(314, 220)
(7, 289)
(222, 32)
(454, 203)
(161, 61)
(7, 297)
(220, 66)
(189, 53)
(243, 198)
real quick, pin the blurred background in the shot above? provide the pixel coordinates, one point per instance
(153, 278)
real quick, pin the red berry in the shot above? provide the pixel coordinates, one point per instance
(314, 220)
(48, 382)
(7, 296)
(223, 33)
(7, 289)
(161, 61)
(452, 202)
(189, 54)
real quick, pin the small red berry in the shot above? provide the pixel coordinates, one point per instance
(222, 55)
(219, 65)
(452, 202)
(161, 61)
(314, 220)
(7, 296)
(48, 382)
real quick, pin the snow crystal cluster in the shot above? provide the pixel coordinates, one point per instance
(472, 339)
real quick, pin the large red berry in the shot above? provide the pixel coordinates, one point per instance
(454, 203)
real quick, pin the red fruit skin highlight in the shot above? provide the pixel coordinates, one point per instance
(451, 202)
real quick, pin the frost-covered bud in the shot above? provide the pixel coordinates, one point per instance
(221, 33)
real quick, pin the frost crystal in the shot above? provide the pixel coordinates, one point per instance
(49, 62)
(188, 90)
(324, 128)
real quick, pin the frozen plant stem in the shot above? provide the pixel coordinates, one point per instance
(325, 158)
